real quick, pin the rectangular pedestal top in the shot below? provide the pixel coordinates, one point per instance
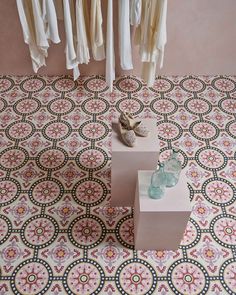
(175, 198)
(143, 144)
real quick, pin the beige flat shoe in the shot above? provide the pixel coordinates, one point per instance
(137, 125)
(128, 136)
(140, 129)
(124, 119)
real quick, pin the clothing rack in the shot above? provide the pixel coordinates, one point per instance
(85, 37)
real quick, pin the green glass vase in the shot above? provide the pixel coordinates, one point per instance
(156, 189)
(172, 169)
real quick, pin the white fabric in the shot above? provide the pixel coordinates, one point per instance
(96, 33)
(149, 72)
(135, 12)
(39, 23)
(161, 38)
(41, 37)
(110, 55)
(157, 55)
(38, 52)
(50, 21)
(24, 23)
(71, 58)
(152, 41)
(146, 31)
(124, 36)
(82, 50)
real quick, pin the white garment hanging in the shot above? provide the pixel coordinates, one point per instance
(161, 37)
(50, 21)
(151, 36)
(41, 37)
(39, 23)
(157, 52)
(71, 58)
(82, 49)
(135, 12)
(27, 33)
(146, 30)
(37, 53)
(96, 33)
(110, 60)
(124, 36)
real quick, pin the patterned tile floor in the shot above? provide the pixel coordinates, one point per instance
(58, 234)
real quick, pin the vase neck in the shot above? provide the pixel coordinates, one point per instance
(174, 154)
(161, 167)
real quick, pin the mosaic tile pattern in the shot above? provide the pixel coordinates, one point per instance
(58, 234)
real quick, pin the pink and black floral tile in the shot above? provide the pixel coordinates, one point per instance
(58, 233)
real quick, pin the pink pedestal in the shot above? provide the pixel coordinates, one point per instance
(160, 224)
(126, 161)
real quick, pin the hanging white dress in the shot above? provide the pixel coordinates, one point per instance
(38, 52)
(96, 33)
(39, 24)
(161, 37)
(145, 30)
(110, 54)
(151, 37)
(124, 35)
(156, 56)
(82, 50)
(50, 21)
(41, 37)
(135, 12)
(71, 57)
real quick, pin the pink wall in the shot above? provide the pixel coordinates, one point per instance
(201, 40)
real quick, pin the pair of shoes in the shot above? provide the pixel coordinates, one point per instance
(130, 127)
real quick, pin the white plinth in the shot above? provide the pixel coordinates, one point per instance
(160, 224)
(126, 161)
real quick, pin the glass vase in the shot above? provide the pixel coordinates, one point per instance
(156, 189)
(172, 169)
